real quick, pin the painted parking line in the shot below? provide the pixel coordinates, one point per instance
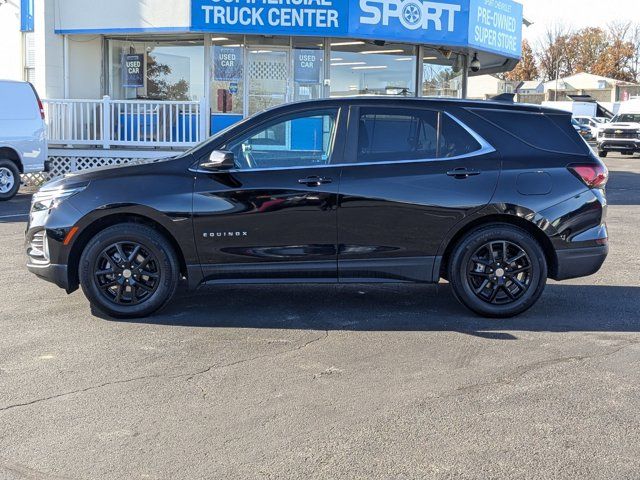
(14, 216)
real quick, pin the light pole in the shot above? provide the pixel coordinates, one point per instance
(555, 95)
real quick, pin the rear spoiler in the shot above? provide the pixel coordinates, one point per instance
(504, 97)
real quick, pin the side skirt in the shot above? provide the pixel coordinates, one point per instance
(388, 270)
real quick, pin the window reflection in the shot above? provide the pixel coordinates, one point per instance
(360, 68)
(172, 70)
(441, 74)
(227, 74)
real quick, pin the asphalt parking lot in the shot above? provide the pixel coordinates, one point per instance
(326, 381)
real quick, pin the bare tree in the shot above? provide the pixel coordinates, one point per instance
(552, 52)
(635, 61)
(617, 59)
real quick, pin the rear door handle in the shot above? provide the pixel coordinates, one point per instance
(315, 181)
(462, 173)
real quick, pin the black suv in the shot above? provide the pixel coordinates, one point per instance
(492, 196)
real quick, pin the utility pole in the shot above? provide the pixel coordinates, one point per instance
(555, 95)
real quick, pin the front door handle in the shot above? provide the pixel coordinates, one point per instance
(462, 173)
(314, 181)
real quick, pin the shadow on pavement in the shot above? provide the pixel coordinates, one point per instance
(562, 308)
(624, 188)
(16, 209)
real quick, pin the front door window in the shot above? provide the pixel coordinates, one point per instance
(299, 140)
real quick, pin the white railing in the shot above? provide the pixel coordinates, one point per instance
(131, 123)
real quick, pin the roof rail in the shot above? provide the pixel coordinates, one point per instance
(504, 97)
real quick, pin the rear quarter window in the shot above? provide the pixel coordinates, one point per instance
(552, 132)
(455, 141)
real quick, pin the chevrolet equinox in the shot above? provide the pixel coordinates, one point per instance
(492, 196)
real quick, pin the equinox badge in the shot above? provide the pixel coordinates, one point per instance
(224, 234)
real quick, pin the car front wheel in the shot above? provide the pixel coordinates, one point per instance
(129, 271)
(602, 154)
(498, 271)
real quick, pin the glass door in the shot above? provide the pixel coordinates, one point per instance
(268, 76)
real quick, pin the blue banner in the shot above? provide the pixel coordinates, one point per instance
(228, 64)
(133, 70)
(302, 17)
(307, 66)
(489, 25)
(413, 21)
(496, 26)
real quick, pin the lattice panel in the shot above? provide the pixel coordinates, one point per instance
(60, 166)
(269, 70)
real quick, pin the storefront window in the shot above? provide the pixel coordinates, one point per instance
(156, 70)
(362, 68)
(227, 74)
(308, 68)
(442, 74)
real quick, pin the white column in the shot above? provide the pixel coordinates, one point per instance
(65, 53)
(11, 66)
(49, 50)
(205, 105)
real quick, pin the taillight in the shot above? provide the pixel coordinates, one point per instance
(593, 175)
(41, 107)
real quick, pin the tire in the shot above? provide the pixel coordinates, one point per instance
(602, 154)
(519, 284)
(113, 267)
(9, 179)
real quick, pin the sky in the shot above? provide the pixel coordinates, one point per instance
(576, 14)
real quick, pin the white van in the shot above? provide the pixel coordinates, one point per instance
(23, 144)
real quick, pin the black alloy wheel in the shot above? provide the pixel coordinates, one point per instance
(498, 271)
(129, 271)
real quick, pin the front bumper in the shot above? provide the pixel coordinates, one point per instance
(51, 273)
(580, 262)
(618, 145)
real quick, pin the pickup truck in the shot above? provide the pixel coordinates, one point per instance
(622, 135)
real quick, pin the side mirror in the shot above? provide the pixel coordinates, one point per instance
(219, 160)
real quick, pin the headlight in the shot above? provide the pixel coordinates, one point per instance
(49, 199)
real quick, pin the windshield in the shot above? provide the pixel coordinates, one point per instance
(628, 118)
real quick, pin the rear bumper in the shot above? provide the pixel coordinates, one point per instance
(51, 273)
(580, 262)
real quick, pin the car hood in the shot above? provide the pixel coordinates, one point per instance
(621, 126)
(137, 167)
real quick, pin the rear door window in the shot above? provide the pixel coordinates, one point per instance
(398, 134)
(402, 134)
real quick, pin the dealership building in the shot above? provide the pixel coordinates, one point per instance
(153, 75)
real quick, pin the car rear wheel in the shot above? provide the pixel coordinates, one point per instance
(498, 271)
(129, 271)
(9, 179)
